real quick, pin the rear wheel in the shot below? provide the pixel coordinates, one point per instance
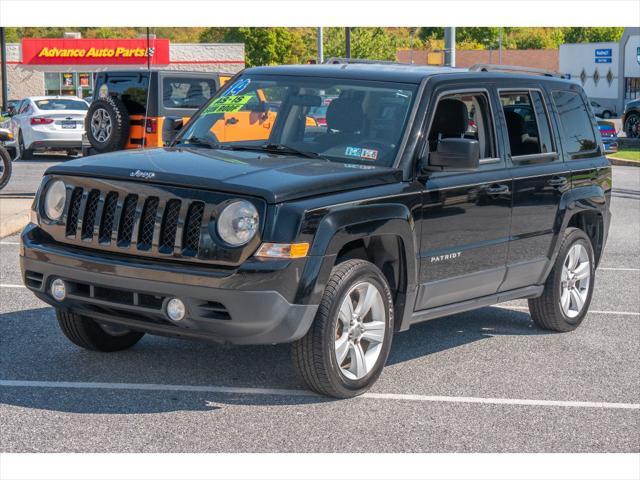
(569, 287)
(606, 114)
(89, 334)
(25, 153)
(632, 125)
(347, 346)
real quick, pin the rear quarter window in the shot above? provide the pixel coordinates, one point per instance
(180, 92)
(575, 121)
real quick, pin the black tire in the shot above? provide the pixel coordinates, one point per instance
(5, 167)
(632, 125)
(89, 334)
(606, 114)
(314, 355)
(546, 310)
(25, 153)
(118, 117)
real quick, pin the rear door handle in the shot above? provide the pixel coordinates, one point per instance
(558, 181)
(498, 189)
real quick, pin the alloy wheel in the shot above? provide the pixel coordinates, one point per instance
(575, 281)
(360, 330)
(101, 126)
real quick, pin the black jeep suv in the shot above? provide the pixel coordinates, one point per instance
(430, 191)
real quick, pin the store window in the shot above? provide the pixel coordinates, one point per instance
(68, 83)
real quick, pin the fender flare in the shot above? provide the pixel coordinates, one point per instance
(345, 224)
(579, 199)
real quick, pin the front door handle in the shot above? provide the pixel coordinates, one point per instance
(497, 189)
(558, 181)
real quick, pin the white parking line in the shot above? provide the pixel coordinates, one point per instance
(9, 243)
(605, 312)
(305, 393)
(620, 269)
(11, 285)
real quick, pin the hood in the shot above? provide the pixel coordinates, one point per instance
(275, 178)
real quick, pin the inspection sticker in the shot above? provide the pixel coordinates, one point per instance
(365, 153)
(228, 104)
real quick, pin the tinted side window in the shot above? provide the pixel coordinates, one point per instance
(464, 115)
(522, 124)
(546, 140)
(186, 92)
(575, 120)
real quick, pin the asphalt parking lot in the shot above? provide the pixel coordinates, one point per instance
(485, 381)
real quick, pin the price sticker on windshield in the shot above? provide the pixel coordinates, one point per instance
(228, 104)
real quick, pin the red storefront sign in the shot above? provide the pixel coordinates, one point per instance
(92, 51)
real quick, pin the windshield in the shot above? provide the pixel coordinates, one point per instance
(364, 120)
(62, 104)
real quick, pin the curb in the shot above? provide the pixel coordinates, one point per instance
(623, 163)
(14, 223)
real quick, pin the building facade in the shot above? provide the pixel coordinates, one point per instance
(608, 71)
(66, 66)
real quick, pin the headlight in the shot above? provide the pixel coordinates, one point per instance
(54, 200)
(238, 223)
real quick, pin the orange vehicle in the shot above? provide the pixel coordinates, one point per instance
(129, 107)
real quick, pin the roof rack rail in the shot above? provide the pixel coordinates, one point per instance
(488, 67)
(343, 60)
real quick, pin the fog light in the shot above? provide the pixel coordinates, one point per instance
(58, 289)
(176, 309)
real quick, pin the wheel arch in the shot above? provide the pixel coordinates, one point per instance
(383, 234)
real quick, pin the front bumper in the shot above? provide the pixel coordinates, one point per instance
(223, 305)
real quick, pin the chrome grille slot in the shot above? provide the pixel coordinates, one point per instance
(127, 220)
(191, 235)
(108, 217)
(147, 223)
(90, 211)
(74, 212)
(169, 226)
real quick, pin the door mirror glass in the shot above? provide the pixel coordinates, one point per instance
(455, 154)
(170, 128)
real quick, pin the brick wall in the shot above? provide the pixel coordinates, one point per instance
(545, 59)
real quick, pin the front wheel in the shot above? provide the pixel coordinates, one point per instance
(569, 287)
(346, 348)
(89, 334)
(5, 167)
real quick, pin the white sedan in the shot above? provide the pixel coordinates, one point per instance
(49, 123)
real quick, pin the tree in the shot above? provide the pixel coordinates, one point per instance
(592, 34)
(373, 43)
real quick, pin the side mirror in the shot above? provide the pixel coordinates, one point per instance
(170, 128)
(11, 111)
(455, 154)
(5, 135)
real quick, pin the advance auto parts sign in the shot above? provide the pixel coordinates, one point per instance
(92, 51)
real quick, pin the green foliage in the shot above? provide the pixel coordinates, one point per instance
(374, 43)
(592, 34)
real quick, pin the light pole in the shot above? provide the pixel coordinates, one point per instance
(5, 85)
(319, 39)
(450, 46)
(347, 42)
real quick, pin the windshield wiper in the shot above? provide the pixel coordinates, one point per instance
(274, 148)
(197, 142)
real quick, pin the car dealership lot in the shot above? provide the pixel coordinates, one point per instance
(480, 381)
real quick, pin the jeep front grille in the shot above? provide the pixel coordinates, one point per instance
(138, 223)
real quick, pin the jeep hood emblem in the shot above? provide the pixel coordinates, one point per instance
(142, 174)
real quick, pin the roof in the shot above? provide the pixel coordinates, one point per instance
(402, 73)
